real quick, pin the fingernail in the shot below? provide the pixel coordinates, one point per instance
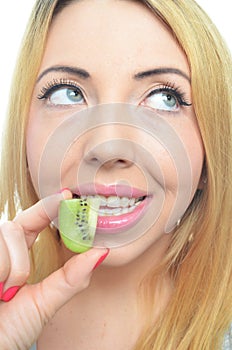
(1, 289)
(10, 293)
(102, 258)
(63, 189)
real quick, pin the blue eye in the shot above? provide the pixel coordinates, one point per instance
(165, 99)
(62, 93)
(162, 101)
(66, 96)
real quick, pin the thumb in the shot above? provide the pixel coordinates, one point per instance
(54, 291)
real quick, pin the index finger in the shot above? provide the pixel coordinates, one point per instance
(34, 219)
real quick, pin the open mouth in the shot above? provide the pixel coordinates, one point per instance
(117, 213)
(114, 205)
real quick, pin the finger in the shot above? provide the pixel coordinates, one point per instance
(18, 265)
(4, 256)
(63, 284)
(34, 219)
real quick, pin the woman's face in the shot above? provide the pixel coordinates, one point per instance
(111, 56)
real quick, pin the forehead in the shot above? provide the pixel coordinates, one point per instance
(115, 32)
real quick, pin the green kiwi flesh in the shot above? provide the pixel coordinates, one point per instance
(78, 222)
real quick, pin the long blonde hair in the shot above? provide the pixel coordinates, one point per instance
(200, 309)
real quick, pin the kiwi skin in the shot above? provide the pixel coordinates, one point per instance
(78, 222)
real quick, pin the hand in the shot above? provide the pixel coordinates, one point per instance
(24, 316)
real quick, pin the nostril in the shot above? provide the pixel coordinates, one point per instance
(115, 153)
(120, 163)
(94, 159)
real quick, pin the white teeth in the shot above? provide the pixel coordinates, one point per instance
(113, 202)
(114, 205)
(115, 212)
(124, 202)
(107, 212)
(125, 210)
(103, 201)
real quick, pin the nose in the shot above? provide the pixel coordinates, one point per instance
(110, 140)
(115, 153)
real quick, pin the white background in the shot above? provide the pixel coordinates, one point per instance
(14, 15)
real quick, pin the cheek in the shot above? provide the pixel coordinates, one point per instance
(179, 155)
(195, 151)
(186, 151)
(197, 161)
(37, 137)
(180, 159)
(33, 150)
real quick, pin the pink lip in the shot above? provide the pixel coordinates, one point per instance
(115, 224)
(110, 190)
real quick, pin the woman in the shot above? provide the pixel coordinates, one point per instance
(86, 62)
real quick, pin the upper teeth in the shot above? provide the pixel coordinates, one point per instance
(116, 202)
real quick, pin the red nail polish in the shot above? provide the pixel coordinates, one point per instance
(10, 293)
(1, 289)
(102, 258)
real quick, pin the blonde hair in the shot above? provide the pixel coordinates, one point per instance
(15, 178)
(199, 311)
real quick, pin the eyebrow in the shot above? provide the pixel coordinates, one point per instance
(82, 73)
(65, 69)
(159, 71)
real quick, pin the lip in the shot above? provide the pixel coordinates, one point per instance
(109, 190)
(116, 224)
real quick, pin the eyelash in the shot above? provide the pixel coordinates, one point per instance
(55, 85)
(172, 90)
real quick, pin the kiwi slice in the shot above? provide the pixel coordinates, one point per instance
(78, 222)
